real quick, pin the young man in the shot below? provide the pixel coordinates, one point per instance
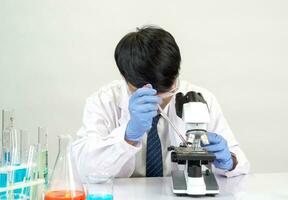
(123, 134)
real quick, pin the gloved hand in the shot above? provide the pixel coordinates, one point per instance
(218, 146)
(142, 108)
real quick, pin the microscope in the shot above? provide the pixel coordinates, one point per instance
(197, 178)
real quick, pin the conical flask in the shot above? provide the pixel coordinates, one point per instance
(65, 183)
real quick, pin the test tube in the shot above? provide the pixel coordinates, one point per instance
(31, 157)
(43, 154)
(19, 158)
(7, 129)
(6, 116)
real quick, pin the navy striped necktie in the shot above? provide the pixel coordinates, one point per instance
(154, 163)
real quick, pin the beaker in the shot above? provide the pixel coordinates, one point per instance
(65, 183)
(99, 186)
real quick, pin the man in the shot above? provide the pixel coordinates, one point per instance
(124, 135)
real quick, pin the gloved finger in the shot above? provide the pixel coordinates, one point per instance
(222, 155)
(214, 138)
(149, 99)
(217, 163)
(145, 91)
(224, 164)
(215, 147)
(146, 108)
(147, 116)
(148, 85)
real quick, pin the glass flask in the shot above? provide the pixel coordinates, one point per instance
(65, 183)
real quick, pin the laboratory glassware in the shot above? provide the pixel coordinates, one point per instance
(65, 183)
(99, 186)
(43, 154)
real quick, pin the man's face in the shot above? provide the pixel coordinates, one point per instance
(166, 96)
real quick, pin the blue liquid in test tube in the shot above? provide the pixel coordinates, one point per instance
(7, 157)
(3, 184)
(19, 176)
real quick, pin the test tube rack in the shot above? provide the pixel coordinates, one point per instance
(34, 185)
(23, 180)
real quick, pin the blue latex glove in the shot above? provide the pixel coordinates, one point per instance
(142, 108)
(218, 146)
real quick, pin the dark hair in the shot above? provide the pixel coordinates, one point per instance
(149, 55)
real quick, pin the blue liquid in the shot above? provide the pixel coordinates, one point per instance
(99, 197)
(20, 197)
(3, 184)
(3, 196)
(7, 157)
(19, 176)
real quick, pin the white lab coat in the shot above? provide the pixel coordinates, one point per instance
(102, 148)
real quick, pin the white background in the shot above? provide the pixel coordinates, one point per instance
(54, 54)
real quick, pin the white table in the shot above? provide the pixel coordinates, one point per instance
(254, 186)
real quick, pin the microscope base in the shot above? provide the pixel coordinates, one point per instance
(180, 186)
